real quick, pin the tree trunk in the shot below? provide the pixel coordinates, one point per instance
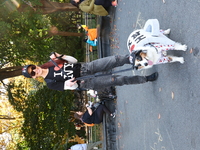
(10, 72)
(48, 7)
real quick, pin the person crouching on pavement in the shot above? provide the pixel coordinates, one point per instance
(94, 113)
(57, 80)
(88, 146)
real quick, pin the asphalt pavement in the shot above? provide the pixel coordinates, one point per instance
(165, 114)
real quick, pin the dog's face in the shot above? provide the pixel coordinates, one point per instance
(140, 59)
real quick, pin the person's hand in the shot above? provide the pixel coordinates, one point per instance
(70, 82)
(87, 105)
(54, 55)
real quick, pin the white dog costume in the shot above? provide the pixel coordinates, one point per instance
(152, 41)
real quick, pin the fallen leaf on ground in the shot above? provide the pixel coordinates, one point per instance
(158, 116)
(191, 50)
(172, 95)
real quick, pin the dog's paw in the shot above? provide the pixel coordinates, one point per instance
(181, 47)
(167, 31)
(184, 47)
(181, 60)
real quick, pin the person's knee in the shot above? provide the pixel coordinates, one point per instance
(117, 58)
(122, 59)
(113, 79)
(117, 80)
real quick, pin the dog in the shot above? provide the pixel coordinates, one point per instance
(150, 46)
(152, 54)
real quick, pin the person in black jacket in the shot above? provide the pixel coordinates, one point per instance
(93, 115)
(63, 77)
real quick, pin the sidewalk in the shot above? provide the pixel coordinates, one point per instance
(163, 114)
(105, 23)
(109, 124)
(109, 128)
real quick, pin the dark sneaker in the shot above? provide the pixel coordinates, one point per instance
(112, 96)
(152, 77)
(102, 102)
(113, 115)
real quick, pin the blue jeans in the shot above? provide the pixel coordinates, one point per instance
(106, 64)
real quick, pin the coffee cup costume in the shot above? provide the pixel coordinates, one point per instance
(151, 33)
(151, 36)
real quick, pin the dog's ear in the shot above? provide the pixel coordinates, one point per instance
(137, 52)
(138, 55)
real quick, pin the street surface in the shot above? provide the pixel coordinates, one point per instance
(165, 114)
